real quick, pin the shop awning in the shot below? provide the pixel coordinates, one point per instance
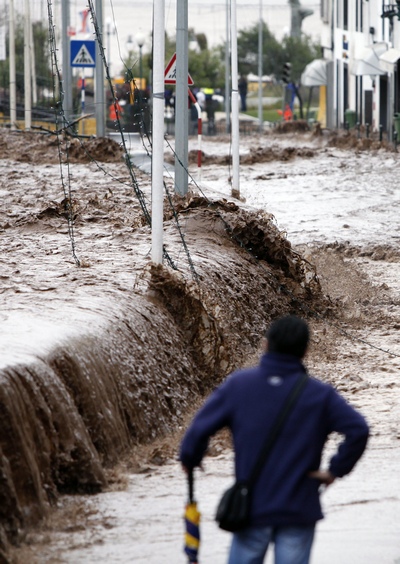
(315, 73)
(389, 59)
(369, 63)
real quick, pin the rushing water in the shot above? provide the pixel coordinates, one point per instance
(91, 361)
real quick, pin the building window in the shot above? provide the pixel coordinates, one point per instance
(325, 11)
(342, 14)
(359, 15)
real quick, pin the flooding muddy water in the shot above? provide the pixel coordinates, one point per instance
(339, 208)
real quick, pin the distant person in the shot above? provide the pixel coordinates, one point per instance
(201, 98)
(115, 110)
(210, 109)
(193, 125)
(168, 97)
(287, 114)
(285, 501)
(243, 93)
(292, 90)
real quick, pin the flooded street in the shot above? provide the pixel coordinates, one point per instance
(340, 209)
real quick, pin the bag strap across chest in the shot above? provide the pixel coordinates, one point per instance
(276, 428)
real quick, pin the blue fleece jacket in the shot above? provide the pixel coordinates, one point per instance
(248, 403)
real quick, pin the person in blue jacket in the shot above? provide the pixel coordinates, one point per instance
(285, 500)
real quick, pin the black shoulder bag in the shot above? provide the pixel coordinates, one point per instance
(233, 512)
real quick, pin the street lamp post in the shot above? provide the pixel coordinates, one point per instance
(108, 26)
(140, 41)
(129, 44)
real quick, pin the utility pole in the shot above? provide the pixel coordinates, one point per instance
(66, 63)
(99, 73)
(27, 68)
(13, 82)
(140, 41)
(260, 70)
(33, 64)
(235, 104)
(227, 73)
(297, 16)
(108, 26)
(181, 102)
(157, 161)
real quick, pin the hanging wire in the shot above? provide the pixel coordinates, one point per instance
(129, 79)
(182, 236)
(145, 134)
(281, 287)
(138, 191)
(59, 113)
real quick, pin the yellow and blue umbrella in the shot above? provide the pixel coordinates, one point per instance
(192, 525)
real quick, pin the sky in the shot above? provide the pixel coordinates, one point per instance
(129, 18)
(206, 17)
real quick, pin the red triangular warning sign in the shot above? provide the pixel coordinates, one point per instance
(170, 72)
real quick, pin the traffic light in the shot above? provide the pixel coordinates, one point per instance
(287, 67)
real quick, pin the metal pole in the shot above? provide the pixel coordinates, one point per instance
(227, 73)
(100, 104)
(109, 46)
(157, 162)
(140, 39)
(140, 66)
(391, 95)
(83, 100)
(33, 65)
(235, 104)
(66, 64)
(199, 133)
(27, 68)
(181, 103)
(13, 83)
(260, 70)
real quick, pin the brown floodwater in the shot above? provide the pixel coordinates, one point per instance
(98, 357)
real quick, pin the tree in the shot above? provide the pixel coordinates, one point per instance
(202, 41)
(299, 51)
(42, 57)
(131, 62)
(205, 65)
(247, 42)
(206, 68)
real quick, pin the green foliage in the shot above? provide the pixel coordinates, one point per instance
(269, 114)
(207, 66)
(298, 51)
(248, 51)
(131, 62)
(202, 41)
(42, 56)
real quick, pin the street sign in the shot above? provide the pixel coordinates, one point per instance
(170, 72)
(83, 53)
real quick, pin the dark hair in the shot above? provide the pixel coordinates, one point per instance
(288, 335)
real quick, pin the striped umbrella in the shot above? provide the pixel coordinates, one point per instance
(192, 524)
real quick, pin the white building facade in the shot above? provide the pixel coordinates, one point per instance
(361, 44)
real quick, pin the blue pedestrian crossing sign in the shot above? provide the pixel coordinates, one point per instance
(83, 53)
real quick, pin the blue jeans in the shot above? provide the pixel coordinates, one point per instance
(292, 545)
